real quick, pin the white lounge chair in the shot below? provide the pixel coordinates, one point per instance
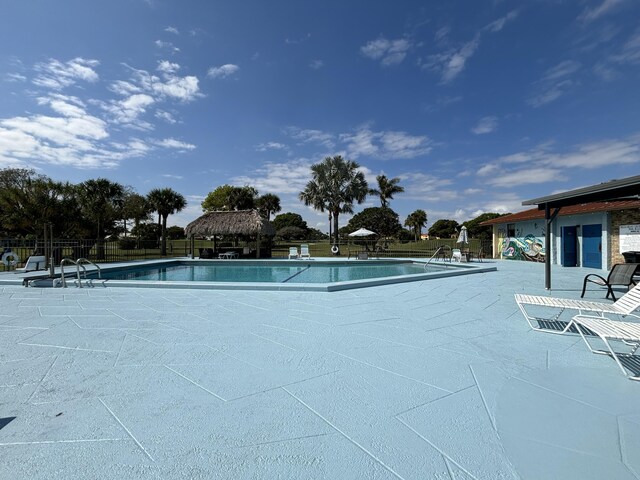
(293, 253)
(34, 262)
(624, 306)
(304, 251)
(609, 330)
(456, 255)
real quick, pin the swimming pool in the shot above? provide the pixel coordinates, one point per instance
(320, 274)
(290, 272)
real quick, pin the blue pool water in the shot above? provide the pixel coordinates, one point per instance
(283, 272)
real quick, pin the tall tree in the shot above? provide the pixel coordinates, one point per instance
(268, 204)
(416, 220)
(336, 185)
(218, 199)
(383, 221)
(135, 208)
(165, 201)
(100, 200)
(386, 189)
(243, 198)
(444, 228)
(228, 197)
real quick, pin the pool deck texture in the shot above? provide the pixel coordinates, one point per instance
(435, 379)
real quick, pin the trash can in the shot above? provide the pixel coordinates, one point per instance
(631, 257)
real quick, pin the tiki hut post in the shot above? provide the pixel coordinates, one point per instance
(193, 246)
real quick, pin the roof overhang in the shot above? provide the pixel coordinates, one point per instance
(615, 189)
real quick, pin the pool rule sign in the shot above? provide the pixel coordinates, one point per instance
(629, 238)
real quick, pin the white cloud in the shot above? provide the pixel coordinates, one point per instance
(166, 116)
(421, 186)
(175, 177)
(15, 77)
(168, 67)
(311, 136)
(70, 135)
(167, 46)
(389, 52)
(630, 51)
(185, 89)
(385, 145)
(263, 147)
(554, 83)
(541, 164)
(128, 110)
(316, 64)
(453, 61)
(590, 14)
(279, 178)
(499, 24)
(485, 125)
(223, 71)
(173, 30)
(173, 143)
(57, 75)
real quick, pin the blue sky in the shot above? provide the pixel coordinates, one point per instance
(475, 105)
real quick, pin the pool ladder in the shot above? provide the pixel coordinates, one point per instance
(79, 263)
(441, 247)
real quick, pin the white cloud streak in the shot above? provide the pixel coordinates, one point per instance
(223, 71)
(556, 82)
(485, 125)
(590, 14)
(57, 75)
(389, 52)
(453, 61)
(543, 165)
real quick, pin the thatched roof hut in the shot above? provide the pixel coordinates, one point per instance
(242, 222)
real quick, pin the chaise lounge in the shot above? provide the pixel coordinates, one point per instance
(624, 306)
(608, 330)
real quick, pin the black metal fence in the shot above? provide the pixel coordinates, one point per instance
(129, 249)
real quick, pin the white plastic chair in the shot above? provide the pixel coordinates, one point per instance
(456, 255)
(293, 252)
(304, 251)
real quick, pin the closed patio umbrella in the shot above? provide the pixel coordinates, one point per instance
(463, 237)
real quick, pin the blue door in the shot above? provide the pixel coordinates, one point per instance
(569, 256)
(592, 246)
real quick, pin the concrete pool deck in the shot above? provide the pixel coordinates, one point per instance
(438, 379)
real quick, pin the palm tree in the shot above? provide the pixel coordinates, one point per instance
(417, 220)
(268, 204)
(165, 201)
(335, 186)
(386, 189)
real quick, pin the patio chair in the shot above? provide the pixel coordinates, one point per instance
(205, 252)
(34, 262)
(608, 330)
(293, 253)
(456, 255)
(304, 251)
(624, 306)
(363, 256)
(620, 274)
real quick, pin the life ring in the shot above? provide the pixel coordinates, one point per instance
(10, 259)
(335, 250)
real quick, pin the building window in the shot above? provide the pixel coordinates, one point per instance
(511, 229)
